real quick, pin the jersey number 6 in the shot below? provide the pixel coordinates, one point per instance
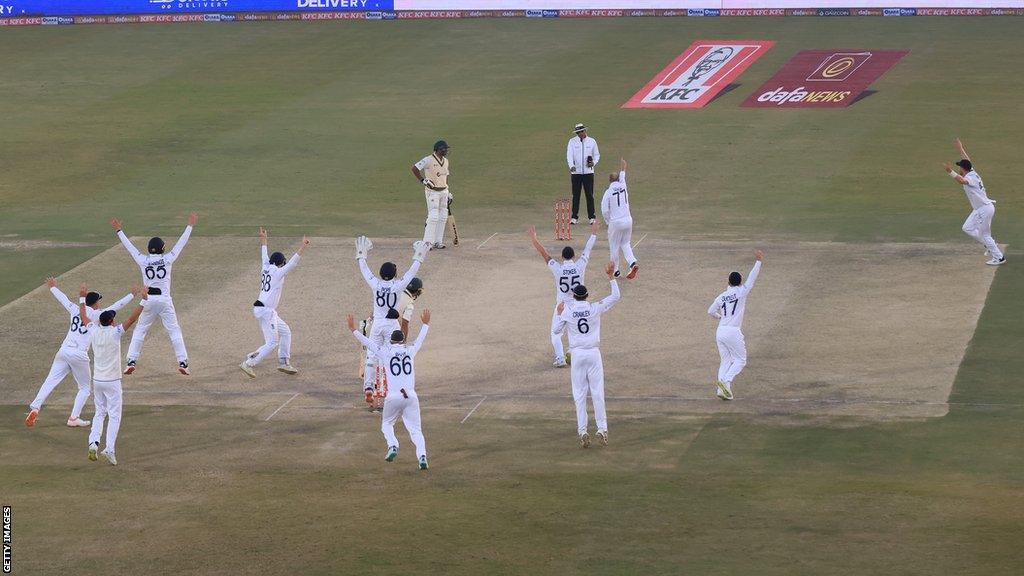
(582, 326)
(401, 365)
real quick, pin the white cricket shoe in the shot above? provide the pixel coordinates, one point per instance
(78, 423)
(602, 437)
(183, 368)
(725, 389)
(584, 440)
(247, 368)
(392, 452)
(287, 369)
(591, 221)
(93, 448)
(997, 261)
(439, 246)
(559, 362)
(574, 221)
(109, 457)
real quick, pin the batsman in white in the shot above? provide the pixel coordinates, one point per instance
(106, 375)
(569, 273)
(401, 400)
(73, 355)
(276, 333)
(979, 224)
(156, 274)
(432, 171)
(406, 304)
(386, 290)
(615, 211)
(728, 308)
(583, 322)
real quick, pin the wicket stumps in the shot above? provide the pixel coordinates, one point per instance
(563, 229)
(380, 388)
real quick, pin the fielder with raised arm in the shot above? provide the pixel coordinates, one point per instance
(729, 307)
(276, 333)
(979, 224)
(73, 355)
(386, 290)
(432, 171)
(106, 374)
(615, 211)
(401, 400)
(568, 273)
(583, 322)
(156, 274)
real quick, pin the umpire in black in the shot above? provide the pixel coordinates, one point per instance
(582, 155)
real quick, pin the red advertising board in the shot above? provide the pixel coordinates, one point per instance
(823, 78)
(699, 73)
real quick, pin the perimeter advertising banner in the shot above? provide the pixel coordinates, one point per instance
(74, 7)
(823, 78)
(697, 75)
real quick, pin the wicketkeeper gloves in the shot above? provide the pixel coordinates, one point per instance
(420, 249)
(363, 246)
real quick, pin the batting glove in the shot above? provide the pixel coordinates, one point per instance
(428, 183)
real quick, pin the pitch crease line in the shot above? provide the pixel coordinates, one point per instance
(473, 410)
(640, 240)
(279, 408)
(485, 241)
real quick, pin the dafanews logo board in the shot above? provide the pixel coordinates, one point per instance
(824, 78)
(698, 74)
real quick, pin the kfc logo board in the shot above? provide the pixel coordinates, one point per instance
(823, 78)
(699, 73)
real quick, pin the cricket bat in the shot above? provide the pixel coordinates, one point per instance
(455, 229)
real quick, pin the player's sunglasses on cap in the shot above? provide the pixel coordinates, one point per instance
(579, 128)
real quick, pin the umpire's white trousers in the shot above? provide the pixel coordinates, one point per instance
(276, 334)
(67, 360)
(380, 333)
(163, 307)
(732, 350)
(437, 216)
(979, 226)
(406, 406)
(108, 407)
(620, 238)
(588, 375)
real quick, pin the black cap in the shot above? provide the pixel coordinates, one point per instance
(439, 145)
(965, 164)
(156, 245)
(415, 285)
(397, 337)
(580, 291)
(388, 270)
(92, 298)
(392, 314)
(107, 318)
(277, 259)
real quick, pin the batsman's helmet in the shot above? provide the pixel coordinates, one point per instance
(735, 279)
(568, 253)
(388, 271)
(156, 245)
(392, 314)
(277, 259)
(440, 144)
(580, 292)
(397, 337)
(92, 298)
(107, 318)
(415, 285)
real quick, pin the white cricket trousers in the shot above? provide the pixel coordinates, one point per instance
(437, 216)
(163, 307)
(979, 226)
(380, 332)
(67, 360)
(276, 334)
(556, 338)
(620, 238)
(406, 406)
(108, 407)
(588, 374)
(733, 352)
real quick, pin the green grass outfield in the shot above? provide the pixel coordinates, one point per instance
(311, 128)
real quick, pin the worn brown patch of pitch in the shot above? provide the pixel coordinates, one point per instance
(873, 330)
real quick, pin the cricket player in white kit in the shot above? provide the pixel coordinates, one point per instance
(105, 338)
(583, 322)
(156, 274)
(432, 171)
(569, 273)
(73, 355)
(386, 290)
(406, 304)
(401, 400)
(276, 332)
(615, 210)
(729, 307)
(979, 224)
